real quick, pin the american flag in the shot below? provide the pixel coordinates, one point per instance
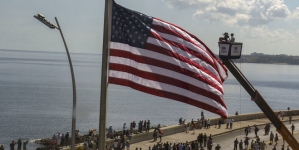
(162, 59)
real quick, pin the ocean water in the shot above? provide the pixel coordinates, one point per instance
(36, 95)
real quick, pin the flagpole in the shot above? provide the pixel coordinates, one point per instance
(104, 83)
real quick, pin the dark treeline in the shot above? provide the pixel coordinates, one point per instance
(268, 59)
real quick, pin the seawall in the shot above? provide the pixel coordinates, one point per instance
(173, 129)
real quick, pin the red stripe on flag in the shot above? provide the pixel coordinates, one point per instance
(161, 50)
(167, 80)
(165, 94)
(202, 46)
(163, 64)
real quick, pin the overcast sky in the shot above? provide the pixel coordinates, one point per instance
(264, 26)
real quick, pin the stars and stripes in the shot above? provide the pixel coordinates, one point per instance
(160, 58)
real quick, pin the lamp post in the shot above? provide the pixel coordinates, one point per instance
(42, 19)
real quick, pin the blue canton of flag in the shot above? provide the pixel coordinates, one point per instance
(130, 27)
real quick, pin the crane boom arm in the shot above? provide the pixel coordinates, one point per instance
(259, 100)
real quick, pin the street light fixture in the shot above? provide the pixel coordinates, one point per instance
(42, 19)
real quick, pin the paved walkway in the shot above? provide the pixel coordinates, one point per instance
(183, 137)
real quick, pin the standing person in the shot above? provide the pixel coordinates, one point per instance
(128, 145)
(232, 39)
(58, 139)
(125, 128)
(271, 137)
(208, 123)
(25, 144)
(19, 144)
(155, 134)
(110, 132)
(200, 139)
(2, 147)
(12, 145)
(219, 123)
(210, 144)
(67, 136)
(249, 129)
(276, 138)
(252, 145)
(263, 145)
(227, 123)
(236, 142)
(241, 145)
(256, 129)
(205, 140)
(202, 114)
(231, 123)
(292, 128)
(115, 144)
(193, 126)
(160, 133)
(148, 125)
(54, 140)
(62, 143)
(246, 142)
(187, 127)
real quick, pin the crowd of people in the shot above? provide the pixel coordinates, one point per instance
(20, 144)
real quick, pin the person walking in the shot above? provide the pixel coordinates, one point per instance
(256, 129)
(292, 128)
(246, 131)
(236, 142)
(276, 138)
(271, 137)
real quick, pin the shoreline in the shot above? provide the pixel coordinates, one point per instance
(168, 130)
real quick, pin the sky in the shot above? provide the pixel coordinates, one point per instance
(263, 26)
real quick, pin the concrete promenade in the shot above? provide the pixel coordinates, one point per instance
(176, 133)
(183, 136)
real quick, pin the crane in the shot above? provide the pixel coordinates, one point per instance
(232, 50)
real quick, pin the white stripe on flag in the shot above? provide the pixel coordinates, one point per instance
(167, 87)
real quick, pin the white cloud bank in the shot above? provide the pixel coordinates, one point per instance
(236, 12)
(251, 17)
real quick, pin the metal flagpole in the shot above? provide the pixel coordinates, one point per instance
(74, 89)
(104, 84)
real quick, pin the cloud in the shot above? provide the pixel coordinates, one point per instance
(295, 14)
(236, 12)
(278, 35)
(278, 11)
